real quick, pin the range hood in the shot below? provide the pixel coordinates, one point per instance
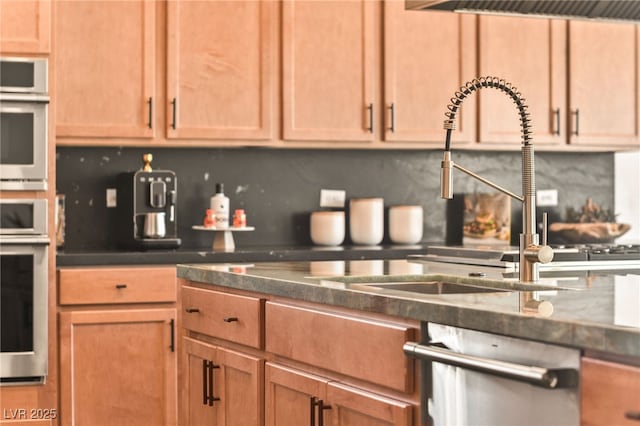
(615, 10)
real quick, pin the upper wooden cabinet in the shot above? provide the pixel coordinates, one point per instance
(220, 69)
(330, 64)
(104, 69)
(530, 54)
(604, 91)
(427, 57)
(25, 26)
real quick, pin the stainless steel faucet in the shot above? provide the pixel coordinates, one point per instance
(531, 252)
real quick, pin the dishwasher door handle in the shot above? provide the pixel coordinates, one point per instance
(543, 377)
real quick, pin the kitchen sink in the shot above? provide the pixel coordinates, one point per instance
(438, 284)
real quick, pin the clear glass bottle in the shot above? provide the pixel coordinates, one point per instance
(219, 203)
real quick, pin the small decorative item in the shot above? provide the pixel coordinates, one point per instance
(592, 224)
(239, 218)
(487, 219)
(209, 219)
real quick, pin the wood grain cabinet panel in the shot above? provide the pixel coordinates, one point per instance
(227, 316)
(604, 90)
(361, 348)
(293, 397)
(114, 285)
(530, 54)
(330, 64)
(227, 395)
(609, 393)
(118, 367)
(105, 69)
(25, 26)
(220, 69)
(427, 57)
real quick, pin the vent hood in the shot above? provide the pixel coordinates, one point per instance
(615, 10)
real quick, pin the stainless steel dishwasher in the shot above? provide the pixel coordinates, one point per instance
(481, 379)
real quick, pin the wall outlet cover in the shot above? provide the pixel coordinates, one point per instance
(112, 196)
(332, 198)
(547, 198)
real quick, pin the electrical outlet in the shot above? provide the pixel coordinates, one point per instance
(547, 198)
(112, 196)
(332, 198)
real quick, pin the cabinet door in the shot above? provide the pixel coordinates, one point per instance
(355, 407)
(330, 66)
(289, 395)
(604, 92)
(531, 55)
(104, 69)
(609, 393)
(220, 69)
(240, 388)
(427, 57)
(25, 26)
(118, 367)
(194, 405)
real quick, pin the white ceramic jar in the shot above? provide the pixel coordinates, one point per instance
(366, 220)
(405, 224)
(327, 228)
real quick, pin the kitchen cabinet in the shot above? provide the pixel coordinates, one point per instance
(609, 393)
(330, 69)
(427, 57)
(604, 91)
(105, 69)
(220, 386)
(294, 397)
(590, 67)
(219, 72)
(221, 69)
(276, 355)
(25, 26)
(530, 54)
(118, 361)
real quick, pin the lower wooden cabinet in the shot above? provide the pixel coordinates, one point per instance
(118, 367)
(295, 397)
(609, 393)
(219, 386)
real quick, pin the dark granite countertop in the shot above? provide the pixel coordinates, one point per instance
(245, 254)
(592, 310)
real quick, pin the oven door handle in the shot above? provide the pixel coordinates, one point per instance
(31, 240)
(539, 376)
(18, 97)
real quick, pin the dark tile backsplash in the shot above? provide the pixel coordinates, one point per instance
(278, 188)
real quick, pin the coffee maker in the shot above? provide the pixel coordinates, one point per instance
(146, 202)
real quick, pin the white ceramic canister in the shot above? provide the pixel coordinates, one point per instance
(405, 224)
(327, 228)
(366, 220)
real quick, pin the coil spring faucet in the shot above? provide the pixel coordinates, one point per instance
(531, 252)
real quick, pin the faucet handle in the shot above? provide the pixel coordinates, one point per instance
(539, 254)
(545, 227)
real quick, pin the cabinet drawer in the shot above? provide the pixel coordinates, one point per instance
(78, 286)
(227, 316)
(367, 349)
(610, 393)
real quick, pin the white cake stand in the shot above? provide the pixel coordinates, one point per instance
(223, 237)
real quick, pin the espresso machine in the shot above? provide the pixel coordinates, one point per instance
(146, 202)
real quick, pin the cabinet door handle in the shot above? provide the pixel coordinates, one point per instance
(321, 408)
(556, 114)
(392, 110)
(150, 102)
(192, 310)
(370, 108)
(312, 410)
(230, 319)
(174, 104)
(121, 286)
(632, 415)
(172, 345)
(205, 382)
(211, 399)
(576, 122)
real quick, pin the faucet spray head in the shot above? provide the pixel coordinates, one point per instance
(446, 176)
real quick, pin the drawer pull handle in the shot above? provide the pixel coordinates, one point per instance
(192, 310)
(632, 415)
(120, 286)
(230, 319)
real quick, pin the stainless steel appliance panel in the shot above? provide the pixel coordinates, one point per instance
(23, 75)
(23, 216)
